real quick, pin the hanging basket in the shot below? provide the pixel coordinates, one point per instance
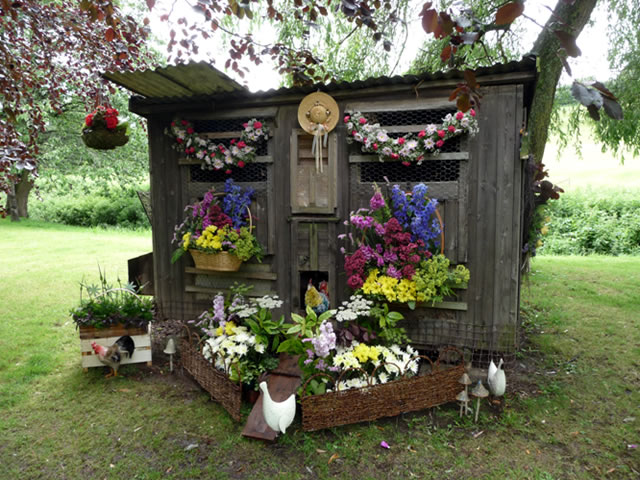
(105, 139)
(219, 262)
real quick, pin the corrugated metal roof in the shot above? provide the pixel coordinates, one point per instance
(197, 81)
(176, 81)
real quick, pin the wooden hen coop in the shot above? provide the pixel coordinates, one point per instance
(299, 211)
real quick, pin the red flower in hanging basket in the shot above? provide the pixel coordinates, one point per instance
(103, 131)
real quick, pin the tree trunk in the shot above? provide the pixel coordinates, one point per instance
(18, 197)
(574, 17)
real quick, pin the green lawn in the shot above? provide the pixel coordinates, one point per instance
(570, 410)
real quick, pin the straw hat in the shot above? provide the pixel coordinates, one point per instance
(318, 109)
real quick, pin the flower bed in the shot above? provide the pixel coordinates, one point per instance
(377, 400)
(236, 342)
(216, 382)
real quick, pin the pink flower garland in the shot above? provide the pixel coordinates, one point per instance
(408, 149)
(215, 156)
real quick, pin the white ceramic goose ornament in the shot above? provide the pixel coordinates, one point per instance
(278, 415)
(496, 379)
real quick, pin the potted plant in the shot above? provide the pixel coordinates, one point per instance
(106, 313)
(217, 231)
(103, 130)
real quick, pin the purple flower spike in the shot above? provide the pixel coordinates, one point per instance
(384, 444)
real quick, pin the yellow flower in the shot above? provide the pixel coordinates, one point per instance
(544, 230)
(364, 353)
(186, 238)
(229, 328)
(538, 243)
(219, 331)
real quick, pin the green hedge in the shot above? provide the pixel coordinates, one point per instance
(600, 221)
(120, 208)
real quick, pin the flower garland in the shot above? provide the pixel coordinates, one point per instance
(408, 149)
(215, 156)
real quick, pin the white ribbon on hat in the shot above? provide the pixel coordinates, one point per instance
(319, 130)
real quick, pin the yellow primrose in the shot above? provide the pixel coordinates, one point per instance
(186, 238)
(229, 328)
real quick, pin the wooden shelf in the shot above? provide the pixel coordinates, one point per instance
(240, 274)
(441, 156)
(214, 291)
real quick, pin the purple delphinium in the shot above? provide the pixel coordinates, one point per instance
(401, 207)
(235, 203)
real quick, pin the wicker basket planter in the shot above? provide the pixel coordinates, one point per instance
(107, 337)
(214, 381)
(104, 139)
(383, 400)
(219, 262)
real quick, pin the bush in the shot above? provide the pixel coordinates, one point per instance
(585, 222)
(114, 207)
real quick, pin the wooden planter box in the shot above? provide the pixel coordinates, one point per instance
(107, 337)
(384, 400)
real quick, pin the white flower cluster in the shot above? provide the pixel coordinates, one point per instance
(409, 148)
(357, 306)
(394, 362)
(229, 345)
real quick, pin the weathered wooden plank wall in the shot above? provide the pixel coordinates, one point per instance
(481, 210)
(494, 219)
(166, 201)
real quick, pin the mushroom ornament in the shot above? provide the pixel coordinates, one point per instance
(479, 392)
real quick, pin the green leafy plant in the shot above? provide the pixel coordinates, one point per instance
(105, 305)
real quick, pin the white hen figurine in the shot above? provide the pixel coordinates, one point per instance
(496, 379)
(278, 415)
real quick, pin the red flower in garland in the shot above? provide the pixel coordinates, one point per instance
(89, 120)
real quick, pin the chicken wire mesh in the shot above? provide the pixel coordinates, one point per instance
(429, 171)
(252, 172)
(409, 117)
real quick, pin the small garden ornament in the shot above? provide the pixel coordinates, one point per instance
(496, 379)
(466, 381)
(479, 392)
(463, 398)
(278, 415)
(170, 350)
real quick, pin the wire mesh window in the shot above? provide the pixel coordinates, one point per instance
(409, 117)
(252, 172)
(429, 171)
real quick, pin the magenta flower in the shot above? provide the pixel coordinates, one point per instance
(376, 202)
